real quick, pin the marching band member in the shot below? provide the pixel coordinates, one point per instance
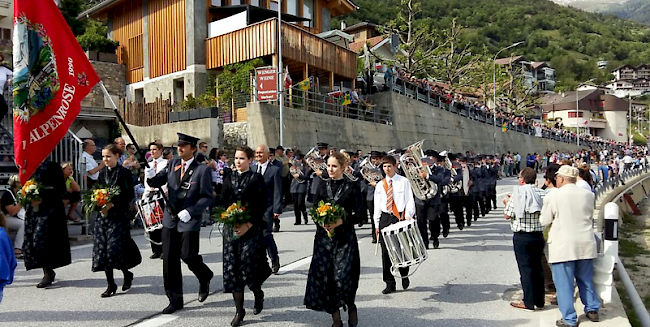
(428, 211)
(298, 188)
(456, 194)
(319, 176)
(158, 164)
(190, 193)
(466, 186)
(443, 212)
(113, 247)
(369, 187)
(244, 257)
(335, 266)
(273, 179)
(474, 190)
(394, 202)
(493, 173)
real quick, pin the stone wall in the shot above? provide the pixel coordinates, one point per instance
(209, 130)
(114, 77)
(413, 121)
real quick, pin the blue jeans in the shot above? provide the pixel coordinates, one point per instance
(564, 274)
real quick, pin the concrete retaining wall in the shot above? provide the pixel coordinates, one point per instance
(209, 130)
(413, 121)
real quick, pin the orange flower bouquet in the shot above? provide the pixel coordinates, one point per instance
(235, 217)
(30, 191)
(327, 215)
(98, 197)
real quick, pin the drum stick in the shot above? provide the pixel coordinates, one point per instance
(377, 245)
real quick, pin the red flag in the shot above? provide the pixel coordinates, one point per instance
(287, 79)
(51, 77)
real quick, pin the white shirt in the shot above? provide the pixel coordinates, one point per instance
(264, 166)
(90, 165)
(627, 159)
(186, 164)
(5, 75)
(402, 196)
(583, 184)
(161, 163)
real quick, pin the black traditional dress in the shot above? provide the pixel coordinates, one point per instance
(244, 258)
(46, 230)
(335, 266)
(113, 247)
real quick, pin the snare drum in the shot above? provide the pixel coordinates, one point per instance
(404, 245)
(151, 212)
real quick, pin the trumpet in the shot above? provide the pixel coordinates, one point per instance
(411, 163)
(370, 172)
(315, 162)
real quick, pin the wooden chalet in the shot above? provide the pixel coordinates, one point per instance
(167, 44)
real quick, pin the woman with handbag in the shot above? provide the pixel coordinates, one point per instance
(244, 252)
(14, 213)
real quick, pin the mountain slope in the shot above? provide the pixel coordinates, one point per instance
(636, 10)
(571, 40)
(590, 5)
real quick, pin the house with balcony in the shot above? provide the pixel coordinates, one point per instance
(630, 80)
(600, 113)
(537, 74)
(6, 25)
(169, 47)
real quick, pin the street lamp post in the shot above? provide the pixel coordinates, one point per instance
(280, 73)
(494, 90)
(578, 113)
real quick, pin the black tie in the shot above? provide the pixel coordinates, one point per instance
(259, 169)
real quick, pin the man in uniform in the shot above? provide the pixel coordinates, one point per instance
(493, 173)
(323, 153)
(369, 188)
(456, 192)
(273, 179)
(428, 211)
(474, 191)
(190, 190)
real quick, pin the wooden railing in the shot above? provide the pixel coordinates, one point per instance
(259, 40)
(146, 114)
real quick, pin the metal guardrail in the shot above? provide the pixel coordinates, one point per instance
(615, 181)
(425, 95)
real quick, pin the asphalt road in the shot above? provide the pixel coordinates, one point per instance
(467, 282)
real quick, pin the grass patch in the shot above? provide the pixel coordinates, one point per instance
(630, 249)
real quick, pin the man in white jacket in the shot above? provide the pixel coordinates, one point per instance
(571, 245)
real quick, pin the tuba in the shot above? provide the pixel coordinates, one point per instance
(370, 172)
(411, 163)
(315, 162)
(296, 168)
(349, 173)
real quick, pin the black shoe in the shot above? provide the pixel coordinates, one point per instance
(110, 290)
(436, 244)
(259, 303)
(561, 323)
(239, 318)
(427, 245)
(374, 241)
(45, 282)
(476, 218)
(275, 265)
(445, 233)
(469, 223)
(296, 223)
(156, 256)
(276, 228)
(390, 288)
(306, 221)
(406, 283)
(460, 227)
(360, 224)
(353, 317)
(128, 280)
(171, 308)
(593, 316)
(431, 238)
(204, 289)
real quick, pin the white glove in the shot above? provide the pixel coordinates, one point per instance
(149, 172)
(184, 216)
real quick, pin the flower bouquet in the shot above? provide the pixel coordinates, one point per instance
(98, 197)
(31, 191)
(327, 215)
(235, 217)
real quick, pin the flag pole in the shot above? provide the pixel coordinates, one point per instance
(142, 159)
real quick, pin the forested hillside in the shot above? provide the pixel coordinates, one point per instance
(570, 39)
(636, 10)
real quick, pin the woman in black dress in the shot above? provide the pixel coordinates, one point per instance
(113, 247)
(46, 242)
(335, 266)
(244, 256)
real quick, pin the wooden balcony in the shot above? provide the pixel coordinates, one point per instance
(259, 40)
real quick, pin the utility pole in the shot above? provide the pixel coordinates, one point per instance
(280, 71)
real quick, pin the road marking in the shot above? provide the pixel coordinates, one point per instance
(157, 321)
(294, 265)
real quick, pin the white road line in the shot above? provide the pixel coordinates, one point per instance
(157, 321)
(294, 265)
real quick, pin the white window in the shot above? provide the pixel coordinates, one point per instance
(307, 11)
(292, 7)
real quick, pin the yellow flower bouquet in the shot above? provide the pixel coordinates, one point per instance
(30, 191)
(98, 197)
(235, 217)
(327, 215)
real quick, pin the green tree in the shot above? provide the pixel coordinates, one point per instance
(94, 38)
(70, 9)
(235, 79)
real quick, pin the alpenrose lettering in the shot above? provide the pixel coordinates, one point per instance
(57, 118)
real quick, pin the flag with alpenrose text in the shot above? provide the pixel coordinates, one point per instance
(51, 77)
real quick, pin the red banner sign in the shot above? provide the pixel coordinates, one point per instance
(267, 83)
(51, 77)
